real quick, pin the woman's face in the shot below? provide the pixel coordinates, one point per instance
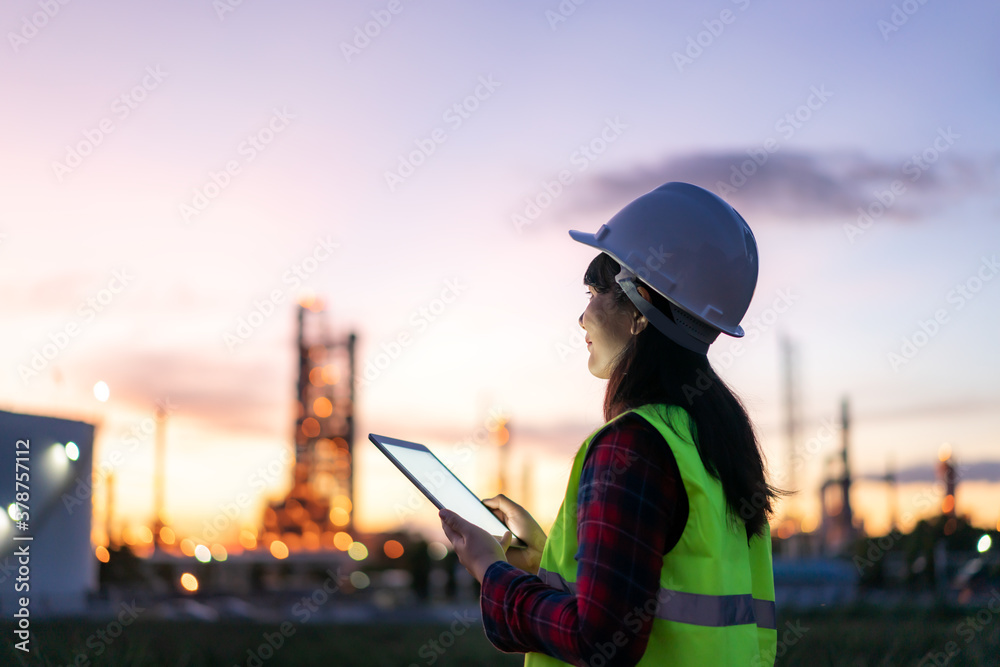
(608, 328)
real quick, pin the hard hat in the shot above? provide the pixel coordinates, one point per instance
(693, 248)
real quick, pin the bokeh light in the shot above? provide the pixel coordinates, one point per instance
(187, 547)
(279, 550)
(248, 540)
(357, 551)
(202, 553)
(322, 407)
(359, 579)
(393, 549)
(189, 582)
(101, 391)
(343, 541)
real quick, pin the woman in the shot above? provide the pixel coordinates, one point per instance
(661, 551)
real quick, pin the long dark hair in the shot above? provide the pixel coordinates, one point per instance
(651, 368)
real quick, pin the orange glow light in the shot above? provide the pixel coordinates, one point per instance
(310, 427)
(945, 452)
(189, 582)
(145, 535)
(339, 516)
(316, 377)
(279, 550)
(167, 535)
(322, 407)
(342, 501)
(187, 547)
(393, 549)
(343, 541)
(102, 554)
(247, 540)
(948, 504)
(310, 541)
(330, 374)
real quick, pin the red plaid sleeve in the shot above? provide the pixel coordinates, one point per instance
(631, 511)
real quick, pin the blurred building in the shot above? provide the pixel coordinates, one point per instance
(50, 463)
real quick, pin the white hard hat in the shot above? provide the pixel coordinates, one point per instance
(693, 248)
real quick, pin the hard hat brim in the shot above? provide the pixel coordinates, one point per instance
(585, 238)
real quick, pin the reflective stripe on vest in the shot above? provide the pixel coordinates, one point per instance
(695, 608)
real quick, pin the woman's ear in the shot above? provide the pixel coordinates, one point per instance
(639, 320)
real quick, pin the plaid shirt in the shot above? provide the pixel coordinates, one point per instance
(632, 510)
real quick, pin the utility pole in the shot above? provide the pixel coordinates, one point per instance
(159, 474)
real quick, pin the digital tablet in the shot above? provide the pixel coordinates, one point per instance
(440, 484)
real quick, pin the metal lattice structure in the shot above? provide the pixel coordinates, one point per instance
(321, 500)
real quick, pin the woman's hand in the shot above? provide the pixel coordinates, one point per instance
(476, 548)
(517, 519)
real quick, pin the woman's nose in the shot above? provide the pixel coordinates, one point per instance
(581, 320)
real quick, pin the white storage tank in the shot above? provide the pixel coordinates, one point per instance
(57, 455)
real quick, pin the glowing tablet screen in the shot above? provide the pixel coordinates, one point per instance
(438, 483)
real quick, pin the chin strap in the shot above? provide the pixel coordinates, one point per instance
(666, 326)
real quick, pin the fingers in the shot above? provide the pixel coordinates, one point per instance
(448, 524)
(502, 503)
(505, 541)
(495, 501)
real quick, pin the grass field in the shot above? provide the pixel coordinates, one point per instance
(856, 638)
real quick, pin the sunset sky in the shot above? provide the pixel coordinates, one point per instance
(179, 164)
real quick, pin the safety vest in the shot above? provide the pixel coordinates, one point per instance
(716, 600)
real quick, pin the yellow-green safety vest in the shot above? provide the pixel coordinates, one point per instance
(716, 600)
